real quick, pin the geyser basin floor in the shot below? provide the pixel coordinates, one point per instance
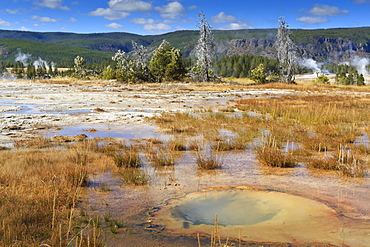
(257, 215)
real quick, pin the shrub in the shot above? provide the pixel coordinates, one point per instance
(323, 79)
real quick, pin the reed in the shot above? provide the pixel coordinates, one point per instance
(346, 163)
(128, 158)
(349, 165)
(177, 144)
(208, 160)
(269, 153)
(161, 155)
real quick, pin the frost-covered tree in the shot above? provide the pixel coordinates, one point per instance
(132, 70)
(141, 69)
(79, 63)
(140, 53)
(124, 66)
(205, 50)
(287, 51)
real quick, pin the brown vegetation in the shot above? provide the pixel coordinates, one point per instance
(39, 190)
(315, 119)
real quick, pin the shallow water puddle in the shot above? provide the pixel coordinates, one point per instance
(257, 215)
(18, 109)
(126, 131)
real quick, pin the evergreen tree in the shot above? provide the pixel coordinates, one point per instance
(341, 77)
(258, 74)
(2, 68)
(166, 63)
(322, 79)
(175, 70)
(360, 80)
(31, 71)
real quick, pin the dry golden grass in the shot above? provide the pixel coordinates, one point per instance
(269, 153)
(208, 160)
(317, 117)
(38, 194)
(161, 155)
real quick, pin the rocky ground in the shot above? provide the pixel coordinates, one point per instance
(27, 107)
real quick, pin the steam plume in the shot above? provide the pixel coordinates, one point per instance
(23, 57)
(360, 64)
(310, 63)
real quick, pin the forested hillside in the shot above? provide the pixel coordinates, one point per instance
(10, 48)
(325, 45)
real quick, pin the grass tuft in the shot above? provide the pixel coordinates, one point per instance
(134, 176)
(208, 161)
(268, 153)
(161, 156)
(128, 158)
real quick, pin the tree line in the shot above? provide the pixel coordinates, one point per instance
(167, 63)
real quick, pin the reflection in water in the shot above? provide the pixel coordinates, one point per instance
(128, 131)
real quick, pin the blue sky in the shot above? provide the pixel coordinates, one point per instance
(162, 16)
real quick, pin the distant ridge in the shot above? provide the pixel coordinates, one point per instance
(333, 45)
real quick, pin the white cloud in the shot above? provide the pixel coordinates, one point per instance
(23, 28)
(114, 25)
(312, 20)
(143, 21)
(109, 14)
(361, 2)
(223, 18)
(130, 5)
(172, 10)
(53, 4)
(235, 26)
(72, 19)
(151, 24)
(43, 19)
(157, 27)
(326, 10)
(12, 11)
(4, 23)
(193, 7)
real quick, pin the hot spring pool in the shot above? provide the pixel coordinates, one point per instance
(257, 215)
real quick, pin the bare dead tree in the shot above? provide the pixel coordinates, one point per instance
(288, 52)
(205, 49)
